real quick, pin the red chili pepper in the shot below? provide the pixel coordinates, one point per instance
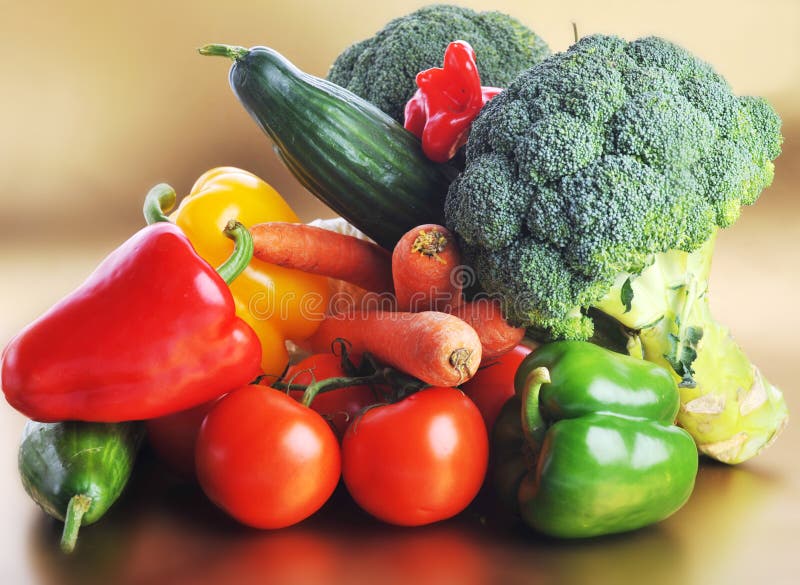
(448, 99)
(151, 332)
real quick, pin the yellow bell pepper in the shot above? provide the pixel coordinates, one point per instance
(278, 303)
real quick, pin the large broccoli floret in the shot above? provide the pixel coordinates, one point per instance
(593, 189)
(382, 69)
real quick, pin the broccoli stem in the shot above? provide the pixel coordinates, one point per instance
(728, 407)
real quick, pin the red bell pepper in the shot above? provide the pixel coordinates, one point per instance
(447, 101)
(152, 331)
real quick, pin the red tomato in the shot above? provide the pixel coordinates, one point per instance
(265, 459)
(417, 461)
(493, 384)
(339, 406)
(173, 437)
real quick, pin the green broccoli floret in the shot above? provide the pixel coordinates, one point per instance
(382, 69)
(593, 190)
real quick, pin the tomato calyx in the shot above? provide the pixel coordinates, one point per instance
(369, 372)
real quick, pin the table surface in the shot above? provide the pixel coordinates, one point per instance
(740, 525)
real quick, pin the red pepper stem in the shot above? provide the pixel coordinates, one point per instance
(159, 201)
(242, 251)
(77, 507)
(230, 51)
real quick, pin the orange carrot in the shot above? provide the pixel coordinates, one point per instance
(425, 265)
(320, 251)
(486, 317)
(437, 348)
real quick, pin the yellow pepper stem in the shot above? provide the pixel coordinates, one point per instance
(242, 251)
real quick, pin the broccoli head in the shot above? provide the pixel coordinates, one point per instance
(598, 158)
(594, 186)
(382, 69)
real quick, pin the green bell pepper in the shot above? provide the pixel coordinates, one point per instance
(587, 446)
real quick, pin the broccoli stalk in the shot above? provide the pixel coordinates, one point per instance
(670, 323)
(592, 193)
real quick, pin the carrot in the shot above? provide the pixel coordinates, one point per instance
(424, 266)
(486, 317)
(437, 348)
(346, 296)
(320, 251)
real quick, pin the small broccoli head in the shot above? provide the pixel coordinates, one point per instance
(595, 160)
(382, 69)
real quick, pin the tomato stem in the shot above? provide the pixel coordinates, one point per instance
(369, 373)
(402, 383)
(348, 367)
(340, 382)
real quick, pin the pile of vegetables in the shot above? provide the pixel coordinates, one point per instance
(580, 369)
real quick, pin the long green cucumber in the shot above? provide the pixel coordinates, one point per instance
(351, 155)
(76, 470)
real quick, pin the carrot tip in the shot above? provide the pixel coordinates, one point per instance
(430, 243)
(459, 359)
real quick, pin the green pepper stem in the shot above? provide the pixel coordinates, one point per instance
(159, 201)
(537, 377)
(533, 425)
(231, 51)
(242, 251)
(77, 507)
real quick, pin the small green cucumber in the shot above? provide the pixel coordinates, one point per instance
(76, 470)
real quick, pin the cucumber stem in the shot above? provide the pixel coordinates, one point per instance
(78, 506)
(230, 51)
(242, 251)
(158, 202)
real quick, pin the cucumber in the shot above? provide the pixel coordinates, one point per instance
(352, 156)
(76, 470)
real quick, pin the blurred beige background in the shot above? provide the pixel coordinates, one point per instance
(101, 100)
